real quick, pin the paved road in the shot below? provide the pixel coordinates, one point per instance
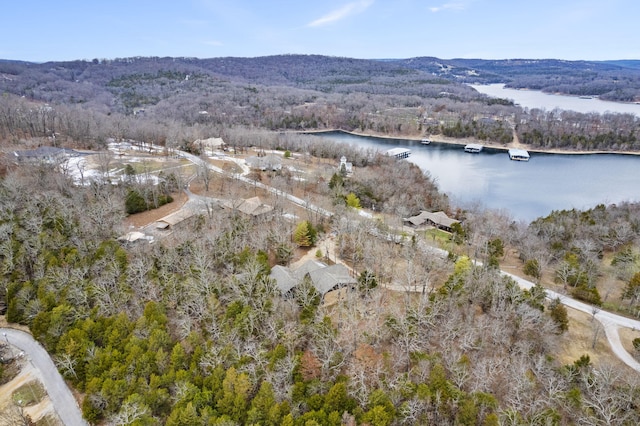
(296, 200)
(610, 322)
(63, 401)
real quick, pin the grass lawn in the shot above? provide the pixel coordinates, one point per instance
(29, 394)
(438, 236)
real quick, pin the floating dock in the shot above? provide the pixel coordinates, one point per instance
(473, 148)
(399, 153)
(518, 155)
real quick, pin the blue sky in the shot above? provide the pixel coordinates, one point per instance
(43, 30)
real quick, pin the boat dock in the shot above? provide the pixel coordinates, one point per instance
(399, 153)
(473, 148)
(518, 154)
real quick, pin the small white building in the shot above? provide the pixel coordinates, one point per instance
(345, 165)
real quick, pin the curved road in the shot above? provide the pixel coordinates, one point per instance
(611, 322)
(63, 401)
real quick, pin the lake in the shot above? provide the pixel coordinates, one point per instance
(536, 99)
(527, 190)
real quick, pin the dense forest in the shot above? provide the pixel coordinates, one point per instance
(193, 329)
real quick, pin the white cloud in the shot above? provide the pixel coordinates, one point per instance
(341, 13)
(449, 6)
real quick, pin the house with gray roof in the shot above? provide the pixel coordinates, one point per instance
(437, 219)
(253, 206)
(323, 278)
(331, 278)
(284, 278)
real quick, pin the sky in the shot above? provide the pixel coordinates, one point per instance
(61, 30)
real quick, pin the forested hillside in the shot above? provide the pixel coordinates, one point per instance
(194, 329)
(609, 80)
(156, 99)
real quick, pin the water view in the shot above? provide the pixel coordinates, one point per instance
(526, 189)
(536, 99)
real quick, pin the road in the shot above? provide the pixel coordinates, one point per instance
(296, 200)
(610, 322)
(63, 401)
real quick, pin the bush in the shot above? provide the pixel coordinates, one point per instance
(586, 294)
(532, 268)
(135, 203)
(559, 315)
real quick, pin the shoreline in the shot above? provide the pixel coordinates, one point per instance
(463, 142)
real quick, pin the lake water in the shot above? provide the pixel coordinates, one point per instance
(536, 99)
(526, 189)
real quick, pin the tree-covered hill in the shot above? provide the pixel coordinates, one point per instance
(614, 80)
(610, 80)
(403, 98)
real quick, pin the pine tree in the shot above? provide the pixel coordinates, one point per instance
(305, 234)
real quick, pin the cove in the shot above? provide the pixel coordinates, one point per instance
(526, 190)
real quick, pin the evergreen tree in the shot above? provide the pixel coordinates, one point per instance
(305, 234)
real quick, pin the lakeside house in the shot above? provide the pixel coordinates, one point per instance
(439, 220)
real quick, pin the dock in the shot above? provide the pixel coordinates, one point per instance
(518, 154)
(473, 148)
(398, 153)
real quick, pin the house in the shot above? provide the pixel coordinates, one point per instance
(43, 155)
(323, 278)
(331, 278)
(209, 145)
(285, 280)
(175, 218)
(268, 162)
(251, 206)
(437, 219)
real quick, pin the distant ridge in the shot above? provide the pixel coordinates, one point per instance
(617, 80)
